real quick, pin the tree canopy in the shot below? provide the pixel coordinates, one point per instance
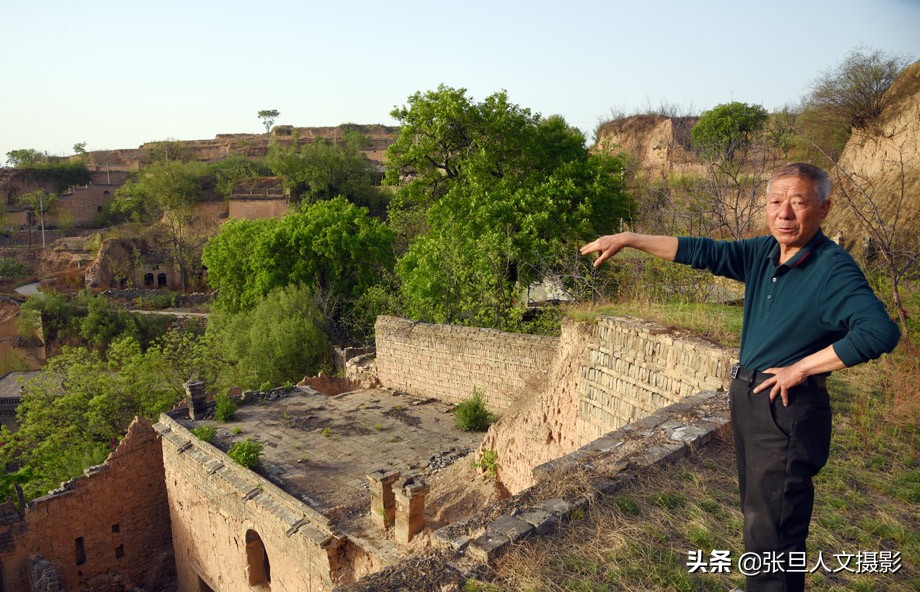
(490, 197)
(268, 117)
(727, 128)
(281, 339)
(853, 92)
(83, 402)
(334, 247)
(322, 170)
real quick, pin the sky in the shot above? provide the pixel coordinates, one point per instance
(116, 74)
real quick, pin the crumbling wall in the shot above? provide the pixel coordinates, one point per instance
(215, 505)
(107, 530)
(656, 146)
(448, 361)
(606, 374)
(81, 205)
(633, 368)
(554, 394)
(255, 208)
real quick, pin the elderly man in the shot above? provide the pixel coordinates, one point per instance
(808, 311)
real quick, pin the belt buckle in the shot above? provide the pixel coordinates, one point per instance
(735, 369)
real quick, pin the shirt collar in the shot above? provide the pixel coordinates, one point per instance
(802, 253)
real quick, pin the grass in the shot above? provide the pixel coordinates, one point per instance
(720, 323)
(867, 497)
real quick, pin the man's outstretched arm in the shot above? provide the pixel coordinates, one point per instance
(607, 246)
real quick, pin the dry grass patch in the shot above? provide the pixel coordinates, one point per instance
(868, 500)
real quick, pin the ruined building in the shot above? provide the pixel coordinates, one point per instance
(350, 485)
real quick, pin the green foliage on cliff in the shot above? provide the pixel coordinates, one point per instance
(727, 128)
(233, 169)
(323, 170)
(42, 168)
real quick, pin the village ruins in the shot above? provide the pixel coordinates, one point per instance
(352, 484)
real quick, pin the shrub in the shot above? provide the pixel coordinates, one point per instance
(157, 301)
(471, 415)
(205, 433)
(224, 408)
(12, 268)
(245, 452)
(488, 464)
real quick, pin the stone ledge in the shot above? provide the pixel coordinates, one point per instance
(661, 438)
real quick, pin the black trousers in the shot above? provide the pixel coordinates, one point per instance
(779, 450)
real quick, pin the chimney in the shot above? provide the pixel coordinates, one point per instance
(383, 504)
(194, 397)
(410, 495)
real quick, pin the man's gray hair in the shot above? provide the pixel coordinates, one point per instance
(817, 176)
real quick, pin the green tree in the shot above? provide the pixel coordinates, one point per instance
(233, 169)
(268, 117)
(79, 148)
(39, 203)
(26, 157)
(82, 403)
(231, 262)
(332, 246)
(727, 128)
(739, 144)
(490, 198)
(41, 168)
(167, 150)
(281, 339)
(323, 170)
(169, 191)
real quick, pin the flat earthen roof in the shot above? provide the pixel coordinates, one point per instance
(320, 448)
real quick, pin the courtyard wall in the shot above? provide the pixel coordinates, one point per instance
(107, 530)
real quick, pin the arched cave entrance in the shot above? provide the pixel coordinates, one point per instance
(257, 560)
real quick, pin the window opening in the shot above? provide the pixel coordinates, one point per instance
(79, 551)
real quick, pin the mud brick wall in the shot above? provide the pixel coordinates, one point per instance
(83, 205)
(215, 503)
(253, 209)
(636, 367)
(106, 529)
(448, 362)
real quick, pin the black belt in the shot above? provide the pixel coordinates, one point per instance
(753, 377)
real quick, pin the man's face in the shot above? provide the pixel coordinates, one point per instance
(793, 212)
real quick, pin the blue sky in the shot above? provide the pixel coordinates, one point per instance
(117, 74)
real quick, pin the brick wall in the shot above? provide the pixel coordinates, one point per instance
(82, 205)
(105, 529)
(634, 368)
(596, 378)
(215, 505)
(253, 209)
(448, 362)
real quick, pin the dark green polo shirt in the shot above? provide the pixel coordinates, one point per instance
(819, 297)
